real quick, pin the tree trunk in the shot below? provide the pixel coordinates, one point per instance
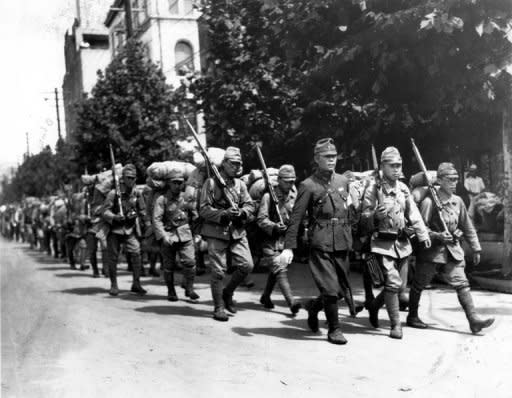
(507, 201)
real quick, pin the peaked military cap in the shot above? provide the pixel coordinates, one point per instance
(446, 169)
(129, 170)
(287, 172)
(390, 155)
(233, 153)
(325, 146)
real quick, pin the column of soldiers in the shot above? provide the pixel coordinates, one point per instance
(324, 207)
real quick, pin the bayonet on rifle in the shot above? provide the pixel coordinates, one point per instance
(431, 188)
(117, 188)
(211, 167)
(270, 188)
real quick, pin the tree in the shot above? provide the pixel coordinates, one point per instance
(290, 71)
(132, 107)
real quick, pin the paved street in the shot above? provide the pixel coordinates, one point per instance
(63, 336)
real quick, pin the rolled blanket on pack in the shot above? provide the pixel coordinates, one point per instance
(216, 156)
(105, 181)
(259, 187)
(160, 171)
(419, 180)
(88, 179)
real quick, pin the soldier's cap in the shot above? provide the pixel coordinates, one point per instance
(447, 169)
(390, 155)
(176, 175)
(287, 172)
(129, 170)
(325, 146)
(473, 167)
(233, 154)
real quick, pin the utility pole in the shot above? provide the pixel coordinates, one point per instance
(128, 18)
(58, 116)
(28, 149)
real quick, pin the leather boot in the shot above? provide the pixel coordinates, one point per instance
(169, 281)
(112, 273)
(403, 300)
(334, 335)
(94, 265)
(227, 294)
(152, 265)
(391, 300)
(466, 301)
(265, 297)
(413, 320)
(368, 292)
(284, 286)
(137, 267)
(374, 307)
(104, 266)
(190, 274)
(313, 307)
(218, 313)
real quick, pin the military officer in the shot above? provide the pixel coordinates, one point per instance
(446, 254)
(387, 207)
(325, 197)
(275, 231)
(172, 216)
(123, 228)
(224, 229)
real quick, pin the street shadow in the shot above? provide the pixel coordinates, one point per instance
(485, 310)
(147, 297)
(441, 329)
(175, 310)
(74, 275)
(56, 268)
(84, 291)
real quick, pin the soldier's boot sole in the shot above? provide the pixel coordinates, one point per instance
(220, 315)
(336, 337)
(416, 322)
(476, 325)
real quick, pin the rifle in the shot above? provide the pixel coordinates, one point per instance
(432, 190)
(117, 188)
(378, 181)
(212, 168)
(270, 188)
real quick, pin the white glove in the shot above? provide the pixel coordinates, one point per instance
(286, 256)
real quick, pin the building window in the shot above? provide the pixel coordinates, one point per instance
(140, 13)
(173, 7)
(188, 6)
(184, 57)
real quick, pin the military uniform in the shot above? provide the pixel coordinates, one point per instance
(123, 230)
(225, 233)
(77, 230)
(388, 238)
(273, 241)
(325, 198)
(446, 257)
(172, 215)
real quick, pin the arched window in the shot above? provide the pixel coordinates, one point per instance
(184, 57)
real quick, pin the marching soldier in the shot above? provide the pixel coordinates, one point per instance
(273, 243)
(172, 216)
(224, 229)
(123, 228)
(446, 254)
(387, 207)
(324, 196)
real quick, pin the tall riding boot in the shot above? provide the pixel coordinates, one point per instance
(94, 265)
(368, 292)
(403, 297)
(313, 307)
(129, 264)
(349, 299)
(169, 281)
(265, 297)
(190, 274)
(227, 294)
(137, 266)
(334, 334)
(413, 320)
(105, 270)
(284, 286)
(200, 265)
(466, 301)
(152, 257)
(218, 313)
(374, 307)
(83, 255)
(391, 300)
(112, 272)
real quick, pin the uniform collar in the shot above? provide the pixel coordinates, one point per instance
(388, 188)
(324, 176)
(450, 199)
